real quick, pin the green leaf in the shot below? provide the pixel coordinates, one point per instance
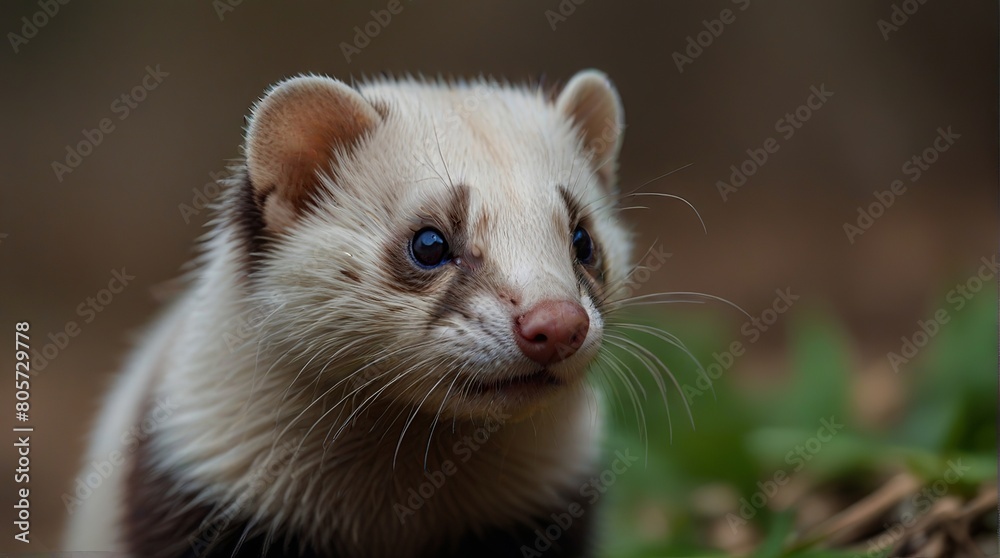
(821, 370)
(954, 406)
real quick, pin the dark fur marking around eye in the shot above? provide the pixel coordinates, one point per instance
(455, 299)
(591, 277)
(573, 207)
(592, 281)
(402, 274)
(458, 210)
(448, 216)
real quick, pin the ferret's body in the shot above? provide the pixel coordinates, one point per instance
(321, 390)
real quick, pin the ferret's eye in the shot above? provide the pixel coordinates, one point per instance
(429, 248)
(583, 246)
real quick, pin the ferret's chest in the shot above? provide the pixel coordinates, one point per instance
(475, 491)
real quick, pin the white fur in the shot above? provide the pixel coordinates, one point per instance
(249, 422)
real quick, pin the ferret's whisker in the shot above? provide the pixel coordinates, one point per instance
(329, 361)
(666, 369)
(672, 340)
(337, 384)
(675, 197)
(655, 300)
(624, 282)
(651, 368)
(437, 415)
(634, 191)
(358, 408)
(640, 414)
(416, 410)
(444, 163)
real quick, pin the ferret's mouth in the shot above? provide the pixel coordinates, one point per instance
(538, 380)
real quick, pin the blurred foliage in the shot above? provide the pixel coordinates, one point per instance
(740, 439)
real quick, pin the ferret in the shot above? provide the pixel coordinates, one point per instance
(384, 345)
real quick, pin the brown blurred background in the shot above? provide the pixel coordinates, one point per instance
(784, 228)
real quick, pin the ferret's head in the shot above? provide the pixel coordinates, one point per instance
(449, 247)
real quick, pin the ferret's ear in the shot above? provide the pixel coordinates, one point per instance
(592, 103)
(296, 132)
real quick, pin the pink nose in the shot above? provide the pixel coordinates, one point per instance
(551, 331)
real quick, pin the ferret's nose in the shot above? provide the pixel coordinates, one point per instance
(551, 331)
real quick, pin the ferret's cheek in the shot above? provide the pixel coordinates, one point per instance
(595, 333)
(483, 307)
